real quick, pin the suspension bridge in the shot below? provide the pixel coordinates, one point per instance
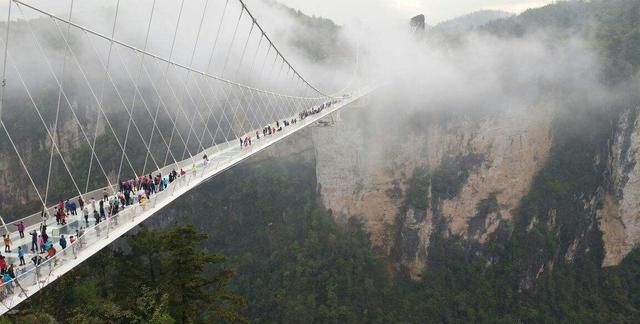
(104, 126)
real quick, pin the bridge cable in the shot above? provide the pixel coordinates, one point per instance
(193, 54)
(208, 68)
(2, 93)
(191, 129)
(261, 79)
(162, 104)
(33, 102)
(135, 94)
(95, 136)
(146, 106)
(157, 57)
(165, 75)
(233, 39)
(144, 102)
(59, 84)
(55, 125)
(237, 106)
(186, 86)
(64, 94)
(180, 109)
(94, 95)
(129, 111)
(279, 53)
(242, 110)
(224, 68)
(251, 68)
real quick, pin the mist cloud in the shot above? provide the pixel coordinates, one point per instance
(390, 11)
(481, 68)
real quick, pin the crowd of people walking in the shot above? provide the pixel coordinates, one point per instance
(279, 125)
(42, 246)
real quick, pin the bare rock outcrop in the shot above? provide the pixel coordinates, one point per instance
(364, 175)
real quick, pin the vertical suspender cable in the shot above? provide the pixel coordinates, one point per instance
(135, 93)
(173, 44)
(51, 70)
(215, 42)
(4, 63)
(211, 57)
(244, 50)
(4, 85)
(55, 123)
(95, 137)
(233, 39)
(193, 55)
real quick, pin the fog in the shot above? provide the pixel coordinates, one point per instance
(476, 70)
(376, 11)
(133, 23)
(482, 67)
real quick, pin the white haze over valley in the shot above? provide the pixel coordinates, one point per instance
(478, 70)
(436, 11)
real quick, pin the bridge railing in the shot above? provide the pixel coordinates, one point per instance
(34, 220)
(41, 272)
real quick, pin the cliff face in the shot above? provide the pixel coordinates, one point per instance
(365, 174)
(476, 173)
(619, 219)
(16, 189)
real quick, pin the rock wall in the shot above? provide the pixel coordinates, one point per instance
(619, 219)
(364, 174)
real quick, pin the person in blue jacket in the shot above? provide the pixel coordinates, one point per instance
(47, 245)
(21, 255)
(63, 242)
(165, 182)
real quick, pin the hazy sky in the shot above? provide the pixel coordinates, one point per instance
(436, 11)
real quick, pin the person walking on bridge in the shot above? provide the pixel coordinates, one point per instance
(63, 242)
(85, 213)
(51, 252)
(21, 229)
(41, 243)
(102, 215)
(61, 217)
(3, 264)
(44, 216)
(7, 243)
(6, 279)
(47, 245)
(73, 208)
(93, 203)
(165, 182)
(34, 241)
(21, 255)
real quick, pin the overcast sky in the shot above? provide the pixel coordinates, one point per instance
(343, 11)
